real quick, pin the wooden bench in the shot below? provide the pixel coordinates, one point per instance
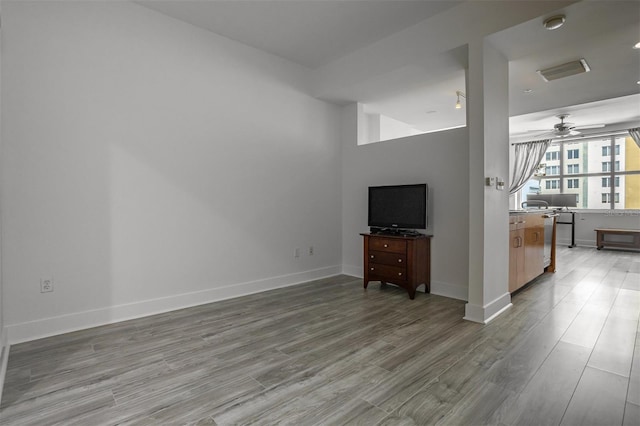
(630, 238)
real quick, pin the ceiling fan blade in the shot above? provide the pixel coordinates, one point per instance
(569, 133)
(589, 126)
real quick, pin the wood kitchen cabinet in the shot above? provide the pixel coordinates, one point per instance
(516, 253)
(401, 260)
(526, 249)
(533, 246)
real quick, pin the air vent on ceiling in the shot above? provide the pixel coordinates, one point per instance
(564, 70)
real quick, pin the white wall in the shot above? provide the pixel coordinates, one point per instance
(4, 348)
(438, 159)
(148, 165)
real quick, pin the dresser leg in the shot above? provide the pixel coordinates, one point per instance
(412, 293)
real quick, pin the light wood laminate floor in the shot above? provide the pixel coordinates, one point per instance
(329, 352)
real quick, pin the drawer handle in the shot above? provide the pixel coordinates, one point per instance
(386, 245)
(399, 274)
(399, 260)
(372, 256)
(372, 269)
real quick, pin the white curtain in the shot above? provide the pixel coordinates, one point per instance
(635, 134)
(528, 157)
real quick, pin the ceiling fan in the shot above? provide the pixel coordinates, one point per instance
(564, 129)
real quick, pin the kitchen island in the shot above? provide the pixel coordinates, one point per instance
(532, 245)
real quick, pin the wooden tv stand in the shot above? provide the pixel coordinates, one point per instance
(401, 260)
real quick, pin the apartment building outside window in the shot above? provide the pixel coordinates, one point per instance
(603, 172)
(606, 150)
(551, 156)
(573, 168)
(552, 170)
(573, 154)
(606, 182)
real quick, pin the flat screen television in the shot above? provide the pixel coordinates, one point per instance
(402, 207)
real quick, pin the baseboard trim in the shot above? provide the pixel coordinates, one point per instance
(45, 327)
(4, 358)
(440, 288)
(451, 291)
(484, 314)
(354, 271)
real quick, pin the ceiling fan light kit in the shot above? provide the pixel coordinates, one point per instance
(564, 70)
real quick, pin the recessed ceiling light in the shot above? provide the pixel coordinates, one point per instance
(433, 111)
(637, 45)
(528, 90)
(554, 22)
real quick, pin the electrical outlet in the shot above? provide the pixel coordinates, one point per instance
(296, 252)
(46, 285)
(310, 250)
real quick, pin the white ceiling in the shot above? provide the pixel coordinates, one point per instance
(310, 33)
(601, 32)
(315, 33)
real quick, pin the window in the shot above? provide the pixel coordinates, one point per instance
(604, 170)
(606, 150)
(606, 166)
(552, 170)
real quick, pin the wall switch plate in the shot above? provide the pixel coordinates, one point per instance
(488, 181)
(296, 252)
(499, 184)
(310, 250)
(46, 285)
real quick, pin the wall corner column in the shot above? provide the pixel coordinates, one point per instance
(487, 93)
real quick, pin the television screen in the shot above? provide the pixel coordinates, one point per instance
(398, 206)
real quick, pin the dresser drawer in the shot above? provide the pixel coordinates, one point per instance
(388, 245)
(387, 272)
(386, 258)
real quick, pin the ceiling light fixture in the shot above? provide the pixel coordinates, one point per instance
(458, 94)
(637, 45)
(554, 22)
